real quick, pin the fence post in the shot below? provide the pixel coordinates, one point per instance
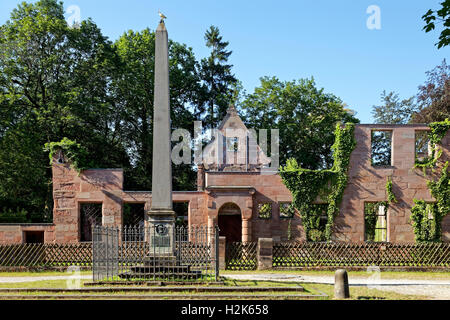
(107, 252)
(217, 252)
(94, 261)
(265, 253)
(222, 252)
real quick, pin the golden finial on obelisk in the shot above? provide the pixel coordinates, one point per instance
(162, 16)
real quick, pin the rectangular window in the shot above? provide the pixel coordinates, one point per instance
(287, 210)
(265, 210)
(381, 148)
(34, 236)
(318, 221)
(233, 144)
(375, 218)
(423, 147)
(427, 228)
(90, 214)
(133, 214)
(182, 211)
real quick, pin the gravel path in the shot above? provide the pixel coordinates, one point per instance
(434, 289)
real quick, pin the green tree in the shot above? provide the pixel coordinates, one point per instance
(305, 116)
(439, 16)
(53, 84)
(434, 96)
(133, 100)
(218, 80)
(393, 110)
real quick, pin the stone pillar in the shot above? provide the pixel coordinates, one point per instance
(200, 177)
(264, 253)
(246, 230)
(222, 252)
(210, 229)
(161, 216)
(65, 208)
(341, 288)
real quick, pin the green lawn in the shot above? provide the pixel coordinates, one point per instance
(356, 274)
(360, 293)
(39, 284)
(356, 293)
(310, 289)
(40, 274)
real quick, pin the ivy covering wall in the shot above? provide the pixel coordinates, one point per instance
(72, 151)
(437, 133)
(307, 185)
(426, 218)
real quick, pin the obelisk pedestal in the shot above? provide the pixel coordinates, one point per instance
(161, 217)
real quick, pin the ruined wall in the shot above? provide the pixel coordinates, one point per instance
(15, 233)
(247, 190)
(70, 189)
(368, 184)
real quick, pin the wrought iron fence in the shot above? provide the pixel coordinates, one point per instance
(46, 255)
(310, 254)
(240, 256)
(140, 253)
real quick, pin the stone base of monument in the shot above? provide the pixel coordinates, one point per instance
(160, 260)
(161, 266)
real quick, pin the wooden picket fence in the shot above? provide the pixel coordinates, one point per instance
(310, 254)
(243, 256)
(80, 254)
(46, 255)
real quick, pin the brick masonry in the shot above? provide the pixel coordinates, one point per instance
(246, 186)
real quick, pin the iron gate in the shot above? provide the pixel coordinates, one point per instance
(126, 254)
(105, 252)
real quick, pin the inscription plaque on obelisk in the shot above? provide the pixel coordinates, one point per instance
(161, 217)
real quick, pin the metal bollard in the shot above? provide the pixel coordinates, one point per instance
(341, 289)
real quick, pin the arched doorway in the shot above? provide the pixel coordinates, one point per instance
(230, 222)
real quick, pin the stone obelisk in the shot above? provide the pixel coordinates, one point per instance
(161, 216)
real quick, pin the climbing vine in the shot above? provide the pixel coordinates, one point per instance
(440, 190)
(426, 221)
(265, 211)
(437, 133)
(289, 230)
(390, 193)
(426, 217)
(307, 185)
(73, 151)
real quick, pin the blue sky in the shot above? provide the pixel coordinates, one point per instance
(326, 39)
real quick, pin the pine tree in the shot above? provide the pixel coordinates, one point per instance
(218, 80)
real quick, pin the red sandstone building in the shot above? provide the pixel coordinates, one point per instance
(233, 195)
